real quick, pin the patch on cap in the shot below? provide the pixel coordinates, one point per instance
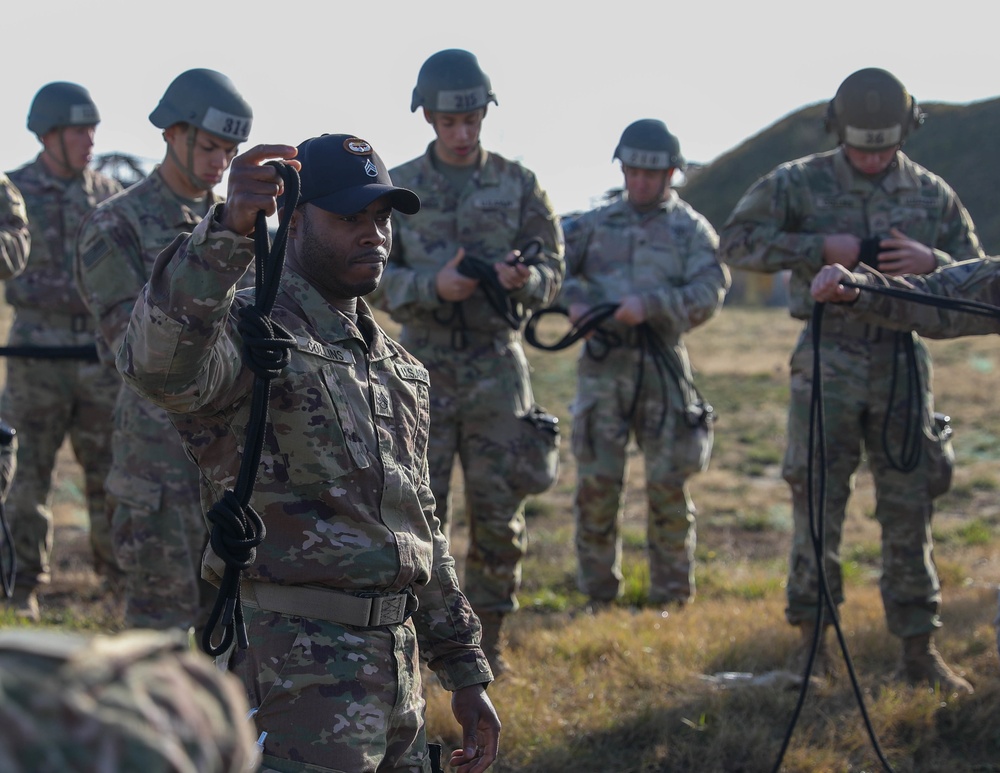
(357, 146)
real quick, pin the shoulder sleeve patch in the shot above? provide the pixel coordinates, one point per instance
(413, 373)
(95, 253)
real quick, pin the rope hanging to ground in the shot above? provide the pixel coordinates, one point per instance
(817, 497)
(236, 528)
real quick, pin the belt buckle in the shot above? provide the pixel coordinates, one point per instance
(392, 609)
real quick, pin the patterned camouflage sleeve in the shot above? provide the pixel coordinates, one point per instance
(448, 632)
(140, 700)
(185, 360)
(973, 280)
(699, 295)
(577, 232)
(15, 239)
(957, 238)
(539, 221)
(108, 269)
(761, 234)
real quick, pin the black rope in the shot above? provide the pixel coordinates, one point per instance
(498, 296)
(236, 528)
(652, 348)
(816, 495)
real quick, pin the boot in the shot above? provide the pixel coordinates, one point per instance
(822, 663)
(24, 602)
(491, 642)
(923, 664)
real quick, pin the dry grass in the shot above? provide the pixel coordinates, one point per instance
(624, 690)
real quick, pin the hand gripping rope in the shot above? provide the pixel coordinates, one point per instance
(817, 497)
(496, 294)
(236, 528)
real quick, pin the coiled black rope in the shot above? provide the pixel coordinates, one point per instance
(599, 341)
(509, 310)
(236, 528)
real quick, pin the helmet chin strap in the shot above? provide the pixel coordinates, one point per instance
(187, 167)
(63, 162)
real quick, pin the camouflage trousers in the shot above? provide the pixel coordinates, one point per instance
(475, 395)
(857, 378)
(602, 429)
(46, 401)
(157, 524)
(333, 698)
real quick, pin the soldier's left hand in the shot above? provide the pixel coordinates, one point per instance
(631, 310)
(480, 729)
(899, 254)
(512, 275)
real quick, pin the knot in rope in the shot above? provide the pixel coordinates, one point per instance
(236, 528)
(266, 344)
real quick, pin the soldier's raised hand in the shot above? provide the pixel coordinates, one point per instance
(254, 186)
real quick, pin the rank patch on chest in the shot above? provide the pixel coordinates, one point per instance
(383, 405)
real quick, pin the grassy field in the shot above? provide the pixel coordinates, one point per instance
(632, 689)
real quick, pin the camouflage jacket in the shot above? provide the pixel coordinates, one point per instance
(55, 210)
(15, 238)
(116, 248)
(136, 701)
(971, 280)
(500, 209)
(343, 486)
(667, 257)
(781, 221)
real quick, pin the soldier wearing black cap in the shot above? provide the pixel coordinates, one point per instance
(354, 571)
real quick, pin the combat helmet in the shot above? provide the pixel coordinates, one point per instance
(646, 144)
(451, 81)
(872, 111)
(61, 104)
(207, 100)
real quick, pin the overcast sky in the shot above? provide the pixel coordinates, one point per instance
(568, 76)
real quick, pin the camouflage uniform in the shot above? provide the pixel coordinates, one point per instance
(478, 370)
(668, 258)
(46, 399)
(157, 523)
(977, 281)
(344, 492)
(138, 701)
(15, 237)
(780, 224)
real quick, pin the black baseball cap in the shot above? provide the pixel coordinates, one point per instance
(342, 173)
